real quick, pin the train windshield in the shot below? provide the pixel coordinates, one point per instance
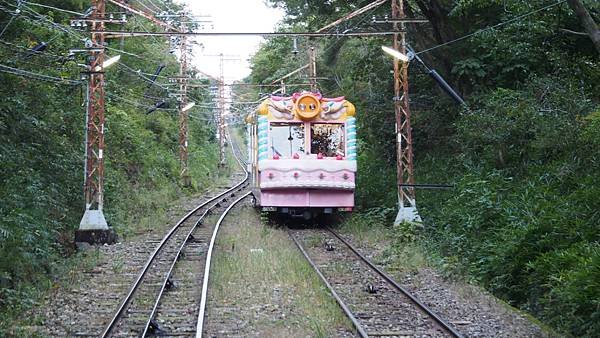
(287, 139)
(327, 139)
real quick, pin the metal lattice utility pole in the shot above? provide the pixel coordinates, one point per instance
(183, 114)
(93, 227)
(312, 62)
(221, 119)
(404, 147)
(220, 114)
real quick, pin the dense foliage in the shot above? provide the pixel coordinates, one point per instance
(524, 217)
(42, 135)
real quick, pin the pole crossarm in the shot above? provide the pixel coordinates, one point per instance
(112, 34)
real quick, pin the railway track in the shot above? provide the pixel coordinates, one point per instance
(372, 300)
(169, 294)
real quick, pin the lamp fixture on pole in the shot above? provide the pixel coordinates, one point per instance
(396, 54)
(108, 63)
(432, 72)
(188, 106)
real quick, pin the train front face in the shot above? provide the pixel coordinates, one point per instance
(306, 155)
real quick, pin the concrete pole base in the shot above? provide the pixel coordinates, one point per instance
(108, 236)
(93, 229)
(407, 214)
(186, 181)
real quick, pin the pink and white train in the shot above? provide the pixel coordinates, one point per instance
(302, 152)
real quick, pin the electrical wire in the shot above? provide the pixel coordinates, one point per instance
(60, 27)
(167, 6)
(27, 49)
(126, 100)
(36, 76)
(54, 8)
(68, 30)
(141, 24)
(121, 64)
(517, 18)
(153, 12)
(156, 8)
(13, 15)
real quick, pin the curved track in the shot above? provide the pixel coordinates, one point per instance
(149, 308)
(371, 299)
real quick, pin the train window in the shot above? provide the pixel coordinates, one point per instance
(327, 139)
(287, 139)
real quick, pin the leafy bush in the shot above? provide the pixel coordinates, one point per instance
(41, 154)
(523, 218)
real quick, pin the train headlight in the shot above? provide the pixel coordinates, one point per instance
(307, 107)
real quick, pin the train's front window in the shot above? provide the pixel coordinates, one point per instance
(327, 139)
(287, 139)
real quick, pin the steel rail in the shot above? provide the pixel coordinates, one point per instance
(441, 322)
(111, 325)
(359, 328)
(185, 241)
(172, 267)
(201, 313)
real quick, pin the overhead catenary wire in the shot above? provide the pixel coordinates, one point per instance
(330, 27)
(517, 18)
(66, 29)
(45, 21)
(141, 24)
(53, 8)
(71, 32)
(118, 34)
(26, 49)
(13, 15)
(139, 74)
(156, 8)
(146, 7)
(36, 76)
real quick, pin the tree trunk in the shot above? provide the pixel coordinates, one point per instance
(436, 11)
(586, 21)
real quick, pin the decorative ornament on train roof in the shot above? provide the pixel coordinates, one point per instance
(306, 106)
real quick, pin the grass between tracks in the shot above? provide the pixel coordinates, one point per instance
(261, 285)
(395, 246)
